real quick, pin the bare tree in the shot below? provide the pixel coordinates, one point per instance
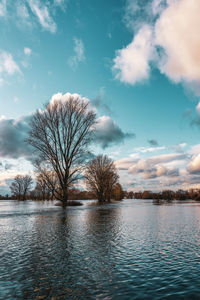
(118, 192)
(60, 135)
(42, 189)
(46, 184)
(21, 186)
(101, 177)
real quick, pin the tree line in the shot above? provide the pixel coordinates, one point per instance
(41, 192)
(193, 194)
(60, 136)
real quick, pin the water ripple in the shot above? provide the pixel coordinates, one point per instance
(130, 250)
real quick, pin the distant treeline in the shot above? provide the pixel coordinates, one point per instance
(193, 194)
(74, 194)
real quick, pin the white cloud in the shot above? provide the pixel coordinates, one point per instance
(148, 149)
(3, 10)
(195, 149)
(125, 163)
(131, 63)
(79, 56)
(172, 33)
(27, 51)
(7, 65)
(177, 32)
(160, 166)
(41, 11)
(107, 132)
(194, 165)
(171, 170)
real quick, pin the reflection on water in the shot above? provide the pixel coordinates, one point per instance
(128, 250)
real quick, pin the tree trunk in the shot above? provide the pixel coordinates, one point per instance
(65, 198)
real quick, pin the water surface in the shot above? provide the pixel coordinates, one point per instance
(133, 249)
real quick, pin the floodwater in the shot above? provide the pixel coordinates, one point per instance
(134, 249)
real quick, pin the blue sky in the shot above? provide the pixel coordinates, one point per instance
(140, 62)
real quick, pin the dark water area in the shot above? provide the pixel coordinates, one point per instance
(134, 249)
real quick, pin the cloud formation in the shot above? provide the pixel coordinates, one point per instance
(79, 55)
(131, 63)
(176, 31)
(194, 165)
(12, 135)
(176, 170)
(31, 12)
(8, 66)
(170, 31)
(108, 133)
(13, 132)
(154, 172)
(41, 11)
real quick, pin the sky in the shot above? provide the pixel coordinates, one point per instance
(137, 61)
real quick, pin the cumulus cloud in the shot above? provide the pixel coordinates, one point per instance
(108, 133)
(171, 31)
(194, 165)
(79, 55)
(176, 32)
(155, 166)
(12, 135)
(195, 149)
(13, 132)
(66, 97)
(171, 170)
(132, 63)
(158, 6)
(41, 11)
(125, 163)
(18, 155)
